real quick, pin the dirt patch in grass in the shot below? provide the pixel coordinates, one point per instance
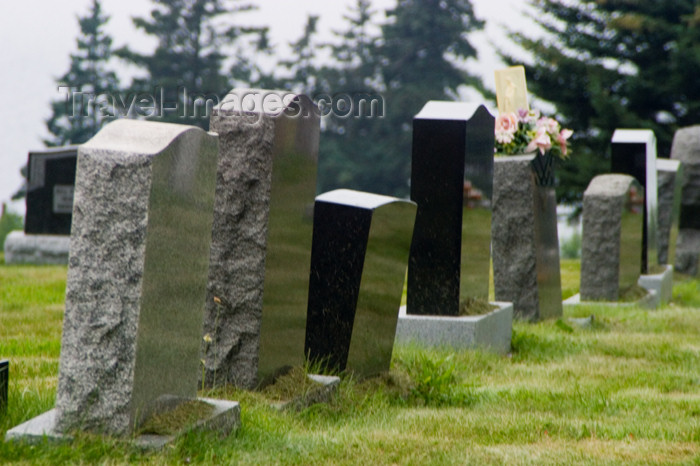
(475, 307)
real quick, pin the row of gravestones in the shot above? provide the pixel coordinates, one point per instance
(163, 221)
(153, 217)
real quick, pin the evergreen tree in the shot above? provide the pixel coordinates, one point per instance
(185, 70)
(614, 64)
(92, 85)
(301, 62)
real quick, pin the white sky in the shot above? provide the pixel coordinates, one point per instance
(37, 37)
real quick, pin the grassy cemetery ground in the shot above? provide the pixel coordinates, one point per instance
(625, 389)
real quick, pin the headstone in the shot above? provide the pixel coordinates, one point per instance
(50, 185)
(525, 242)
(358, 267)
(137, 271)
(261, 247)
(613, 211)
(686, 149)
(634, 154)
(452, 182)
(4, 384)
(669, 175)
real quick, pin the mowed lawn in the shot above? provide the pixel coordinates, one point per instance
(625, 390)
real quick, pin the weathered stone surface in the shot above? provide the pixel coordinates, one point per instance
(613, 210)
(525, 246)
(21, 248)
(261, 244)
(669, 179)
(686, 149)
(136, 282)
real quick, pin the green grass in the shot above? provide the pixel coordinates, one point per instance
(624, 391)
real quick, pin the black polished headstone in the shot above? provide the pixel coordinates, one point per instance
(634, 153)
(50, 185)
(4, 382)
(452, 183)
(358, 266)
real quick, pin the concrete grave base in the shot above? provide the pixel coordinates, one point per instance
(490, 331)
(650, 301)
(661, 283)
(225, 418)
(327, 386)
(21, 248)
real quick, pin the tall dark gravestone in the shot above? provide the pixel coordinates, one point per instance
(634, 153)
(686, 149)
(669, 174)
(4, 384)
(452, 183)
(50, 185)
(358, 267)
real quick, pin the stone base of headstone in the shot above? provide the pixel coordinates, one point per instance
(490, 331)
(21, 248)
(225, 418)
(326, 387)
(648, 302)
(661, 283)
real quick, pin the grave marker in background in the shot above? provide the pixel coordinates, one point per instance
(634, 154)
(452, 183)
(4, 384)
(686, 149)
(669, 174)
(261, 247)
(358, 266)
(613, 211)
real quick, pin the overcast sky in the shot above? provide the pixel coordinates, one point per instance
(37, 37)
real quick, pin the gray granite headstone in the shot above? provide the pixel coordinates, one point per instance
(686, 149)
(613, 211)
(137, 271)
(524, 240)
(255, 315)
(669, 176)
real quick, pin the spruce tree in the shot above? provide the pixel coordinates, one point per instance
(89, 85)
(614, 64)
(186, 68)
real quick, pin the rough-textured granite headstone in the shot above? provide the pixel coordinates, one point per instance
(613, 211)
(525, 244)
(452, 183)
(50, 185)
(255, 315)
(669, 176)
(358, 267)
(137, 271)
(633, 152)
(686, 149)
(4, 384)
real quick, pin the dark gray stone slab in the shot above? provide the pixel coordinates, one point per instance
(4, 384)
(613, 212)
(359, 257)
(525, 244)
(686, 149)
(633, 152)
(261, 247)
(452, 183)
(136, 281)
(50, 186)
(670, 184)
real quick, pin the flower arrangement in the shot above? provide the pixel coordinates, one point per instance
(526, 131)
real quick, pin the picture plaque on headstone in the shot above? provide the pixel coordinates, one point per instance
(50, 184)
(634, 153)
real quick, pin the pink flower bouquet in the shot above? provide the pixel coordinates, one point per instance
(527, 131)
